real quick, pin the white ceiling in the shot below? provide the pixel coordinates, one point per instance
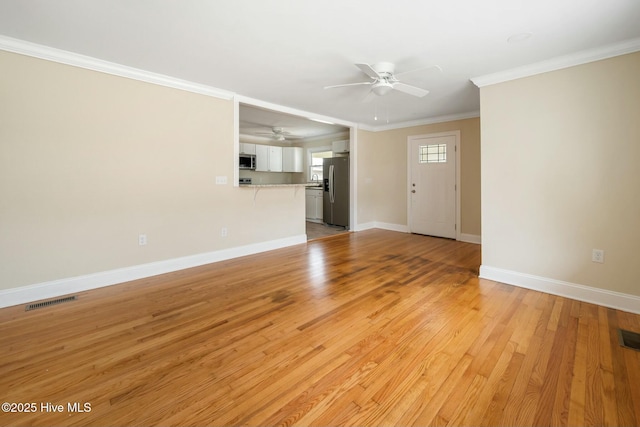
(285, 51)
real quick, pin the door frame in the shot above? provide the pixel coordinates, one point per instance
(410, 138)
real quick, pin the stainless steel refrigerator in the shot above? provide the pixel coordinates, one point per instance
(335, 173)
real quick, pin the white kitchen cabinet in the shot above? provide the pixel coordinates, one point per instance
(292, 159)
(268, 158)
(340, 146)
(246, 148)
(262, 158)
(313, 204)
(309, 205)
(275, 159)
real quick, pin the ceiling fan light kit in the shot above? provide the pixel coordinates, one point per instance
(382, 88)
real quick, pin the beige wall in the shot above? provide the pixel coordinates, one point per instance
(561, 174)
(88, 161)
(382, 173)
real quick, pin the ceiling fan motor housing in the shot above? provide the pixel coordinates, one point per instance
(385, 69)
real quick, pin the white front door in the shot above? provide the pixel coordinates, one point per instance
(432, 185)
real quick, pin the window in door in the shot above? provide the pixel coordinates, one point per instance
(433, 153)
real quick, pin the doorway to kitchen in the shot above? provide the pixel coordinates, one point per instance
(316, 224)
(297, 134)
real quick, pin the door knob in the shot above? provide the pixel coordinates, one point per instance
(413, 191)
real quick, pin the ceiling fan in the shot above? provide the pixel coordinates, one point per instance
(278, 134)
(383, 80)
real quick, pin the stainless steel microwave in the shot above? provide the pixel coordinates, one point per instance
(247, 161)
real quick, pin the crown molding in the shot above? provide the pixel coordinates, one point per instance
(422, 122)
(560, 62)
(74, 59)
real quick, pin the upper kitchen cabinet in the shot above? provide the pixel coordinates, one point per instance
(268, 158)
(340, 146)
(246, 148)
(292, 159)
(275, 159)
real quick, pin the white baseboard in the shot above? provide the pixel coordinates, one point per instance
(365, 226)
(470, 238)
(392, 227)
(382, 226)
(606, 298)
(56, 288)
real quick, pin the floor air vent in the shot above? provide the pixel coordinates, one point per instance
(629, 339)
(43, 304)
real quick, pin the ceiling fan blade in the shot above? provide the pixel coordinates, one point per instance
(410, 90)
(348, 84)
(368, 70)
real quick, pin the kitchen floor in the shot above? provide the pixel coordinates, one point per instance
(317, 231)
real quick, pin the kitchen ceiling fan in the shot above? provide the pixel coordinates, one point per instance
(278, 134)
(383, 80)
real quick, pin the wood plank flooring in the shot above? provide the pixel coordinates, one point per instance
(368, 328)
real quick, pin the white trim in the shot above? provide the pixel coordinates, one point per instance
(353, 174)
(56, 288)
(470, 238)
(560, 62)
(458, 191)
(392, 227)
(23, 47)
(69, 58)
(236, 142)
(410, 138)
(422, 122)
(467, 238)
(383, 226)
(606, 298)
(364, 226)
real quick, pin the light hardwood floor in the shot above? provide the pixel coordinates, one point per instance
(367, 328)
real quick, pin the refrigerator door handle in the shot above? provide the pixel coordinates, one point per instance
(332, 190)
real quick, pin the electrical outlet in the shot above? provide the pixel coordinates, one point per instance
(221, 180)
(142, 239)
(597, 255)
(224, 232)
